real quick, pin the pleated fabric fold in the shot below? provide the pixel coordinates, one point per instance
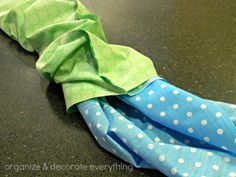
(133, 114)
(73, 49)
(166, 128)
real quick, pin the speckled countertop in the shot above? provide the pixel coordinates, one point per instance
(192, 43)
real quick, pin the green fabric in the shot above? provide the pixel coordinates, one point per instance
(73, 49)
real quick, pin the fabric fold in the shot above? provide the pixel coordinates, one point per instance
(166, 128)
(132, 113)
(73, 49)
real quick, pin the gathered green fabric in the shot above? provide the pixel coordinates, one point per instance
(73, 49)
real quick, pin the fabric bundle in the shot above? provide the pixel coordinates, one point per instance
(138, 116)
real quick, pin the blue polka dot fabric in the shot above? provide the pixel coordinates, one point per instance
(166, 128)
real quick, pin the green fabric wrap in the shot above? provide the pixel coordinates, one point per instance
(73, 49)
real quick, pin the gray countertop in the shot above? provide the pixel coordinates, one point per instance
(192, 44)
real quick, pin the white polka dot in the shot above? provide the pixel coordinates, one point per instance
(190, 130)
(98, 113)
(198, 164)
(112, 111)
(193, 150)
(175, 106)
(186, 141)
(173, 171)
(163, 85)
(180, 160)
(98, 125)
(150, 146)
(203, 106)
(149, 127)
(86, 112)
(189, 114)
(162, 114)
(233, 106)
(137, 98)
(218, 114)
(157, 139)
(124, 140)
(224, 148)
(206, 138)
(189, 99)
(176, 121)
(172, 141)
(162, 158)
(121, 118)
(162, 98)
(210, 153)
(150, 92)
(219, 131)
(232, 174)
(226, 159)
(130, 126)
(234, 140)
(216, 167)
(203, 176)
(161, 144)
(185, 174)
(114, 129)
(149, 106)
(114, 151)
(140, 135)
(175, 92)
(177, 146)
(204, 122)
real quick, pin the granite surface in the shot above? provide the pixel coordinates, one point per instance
(192, 43)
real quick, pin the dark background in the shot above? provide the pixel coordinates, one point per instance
(192, 43)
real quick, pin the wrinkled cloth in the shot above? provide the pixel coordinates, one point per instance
(149, 123)
(166, 128)
(73, 49)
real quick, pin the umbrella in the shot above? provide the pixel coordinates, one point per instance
(138, 116)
